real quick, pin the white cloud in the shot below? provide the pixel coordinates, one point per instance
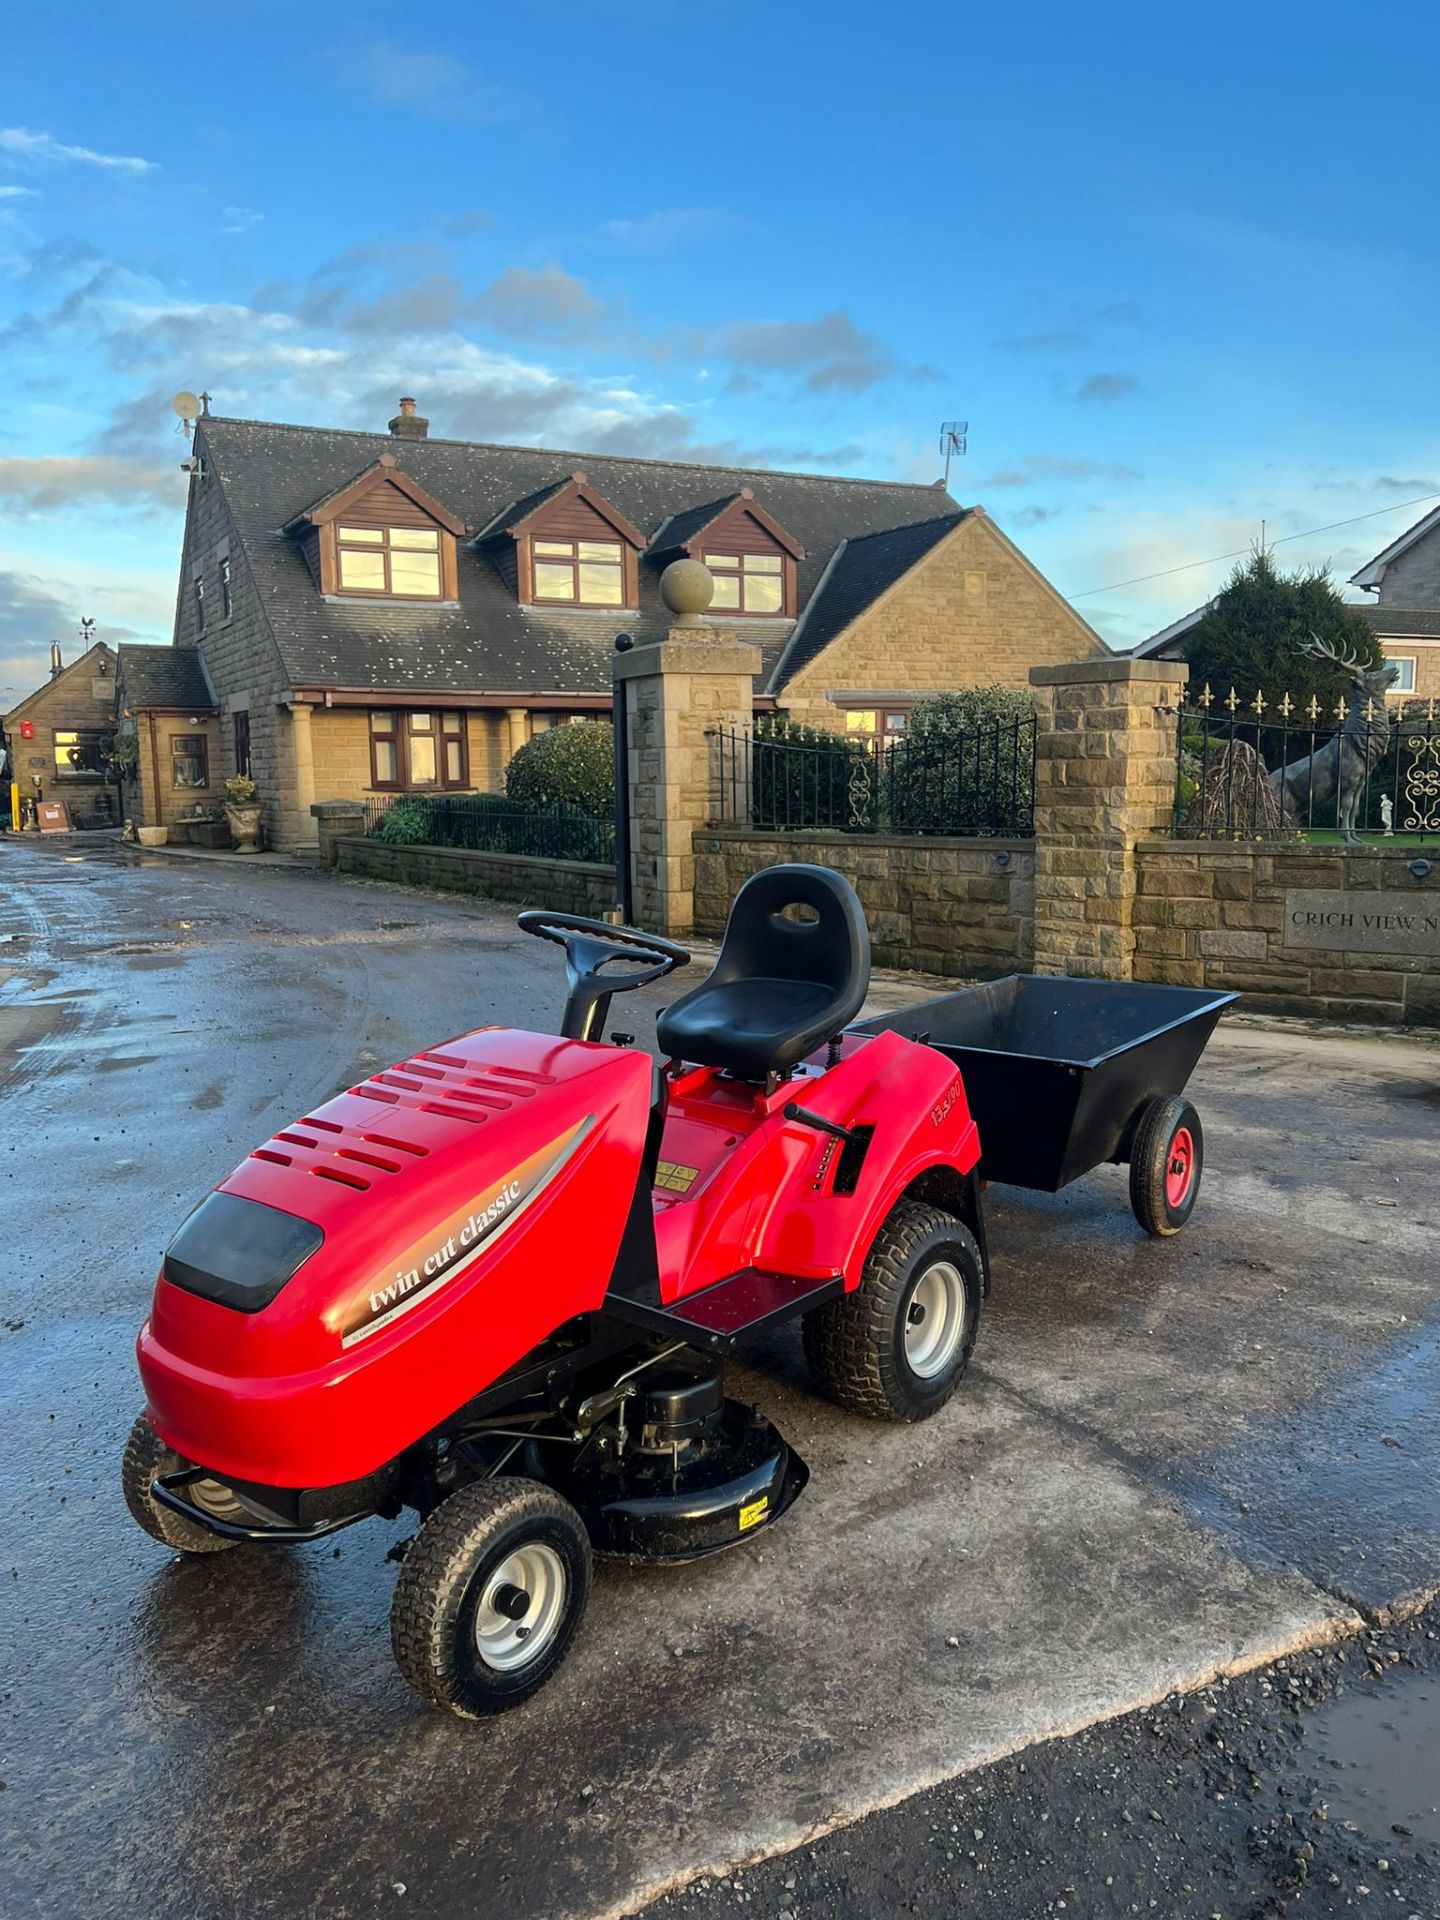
(427, 82)
(19, 193)
(58, 480)
(43, 149)
(666, 227)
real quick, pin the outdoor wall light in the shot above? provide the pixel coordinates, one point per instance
(1002, 859)
(1420, 869)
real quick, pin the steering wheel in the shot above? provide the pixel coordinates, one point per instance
(590, 946)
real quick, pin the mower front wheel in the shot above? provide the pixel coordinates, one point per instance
(896, 1346)
(490, 1593)
(1166, 1160)
(146, 1458)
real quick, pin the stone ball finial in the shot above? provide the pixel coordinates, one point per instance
(687, 587)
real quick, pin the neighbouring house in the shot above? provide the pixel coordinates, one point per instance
(55, 737)
(382, 613)
(163, 698)
(1405, 613)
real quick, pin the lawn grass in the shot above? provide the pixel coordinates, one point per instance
(1332, 837)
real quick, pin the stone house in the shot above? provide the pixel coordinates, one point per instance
(382, 613)
(162, 697)
(54, 737)
(1405, 613)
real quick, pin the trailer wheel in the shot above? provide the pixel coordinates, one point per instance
(146, 1458)
(489, 1595)
(1166, 1161)
(896, 1346)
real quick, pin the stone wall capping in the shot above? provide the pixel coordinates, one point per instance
(1080, 673)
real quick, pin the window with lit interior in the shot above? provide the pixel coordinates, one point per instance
(578, 573)
(395, 563)
(747, 582)
(78, 752)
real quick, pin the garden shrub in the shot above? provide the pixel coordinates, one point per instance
(965, 764)
(572, 766)
(805, 776)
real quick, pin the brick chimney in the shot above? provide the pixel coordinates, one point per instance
(407, 424)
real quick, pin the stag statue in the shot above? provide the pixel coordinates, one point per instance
(1342, 767)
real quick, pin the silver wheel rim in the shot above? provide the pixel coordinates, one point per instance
(507, 1636)
(935, 1320)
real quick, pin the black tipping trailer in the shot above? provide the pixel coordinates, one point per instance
(1063, 1075)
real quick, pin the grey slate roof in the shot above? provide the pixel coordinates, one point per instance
(1401, 622)
(162, 677)
(681, 527)
(488, 643)
(863, 568)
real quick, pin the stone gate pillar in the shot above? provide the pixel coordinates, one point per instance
(1104, 778)
(690, 683)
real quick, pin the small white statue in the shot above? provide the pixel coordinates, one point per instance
(1387, 815)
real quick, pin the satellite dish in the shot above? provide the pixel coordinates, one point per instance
(186, 404)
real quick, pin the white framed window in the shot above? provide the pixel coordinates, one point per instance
(400, 563)
(747, 582)
(1406, 664)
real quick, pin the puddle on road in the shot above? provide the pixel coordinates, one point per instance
(1376, 1752)
(1343, 1486)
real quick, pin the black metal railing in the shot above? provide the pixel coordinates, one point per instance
(979, 782)
(1257, 769)
(489, 823)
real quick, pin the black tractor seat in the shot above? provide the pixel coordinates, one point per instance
(781, 987)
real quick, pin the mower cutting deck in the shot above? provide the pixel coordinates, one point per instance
(496, 1284)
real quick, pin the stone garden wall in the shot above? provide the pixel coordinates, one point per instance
(565, 886)
(957, 906)
(1350, 934)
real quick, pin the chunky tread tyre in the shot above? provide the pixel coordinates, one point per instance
(1161, 1122)
(442, 1577)
(146, 1457)
(855, 1344)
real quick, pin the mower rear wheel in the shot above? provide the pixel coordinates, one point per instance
(896, 1346)
(1166, 1159)
(489, 1595)
(146, 1458)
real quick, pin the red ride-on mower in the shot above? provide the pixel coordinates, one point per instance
(497, 1283)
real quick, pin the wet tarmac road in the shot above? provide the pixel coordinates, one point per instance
(1170, 1460)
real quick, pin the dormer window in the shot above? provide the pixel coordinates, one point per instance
(582, 573)
(751, 557)
(747, 582)
(565, 546)
(401, 562)
(381, 537)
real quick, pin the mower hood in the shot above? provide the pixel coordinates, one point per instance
(393, 1252)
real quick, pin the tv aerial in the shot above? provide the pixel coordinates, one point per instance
(952, 443)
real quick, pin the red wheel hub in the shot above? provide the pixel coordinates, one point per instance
(1179, 1168)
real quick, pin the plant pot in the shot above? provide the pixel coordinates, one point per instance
(210, 833)
(245, 825)
(178, 833)
(152, 836)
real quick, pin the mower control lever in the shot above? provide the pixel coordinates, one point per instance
(794, 1111)
(590, 946)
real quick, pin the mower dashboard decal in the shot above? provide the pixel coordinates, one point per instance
(239, 1252)
(675, 1178)
(453, 1246)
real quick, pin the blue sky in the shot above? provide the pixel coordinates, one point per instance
(1170, 263)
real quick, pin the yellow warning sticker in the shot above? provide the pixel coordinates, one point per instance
(752, 1515)
(674, 1177)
